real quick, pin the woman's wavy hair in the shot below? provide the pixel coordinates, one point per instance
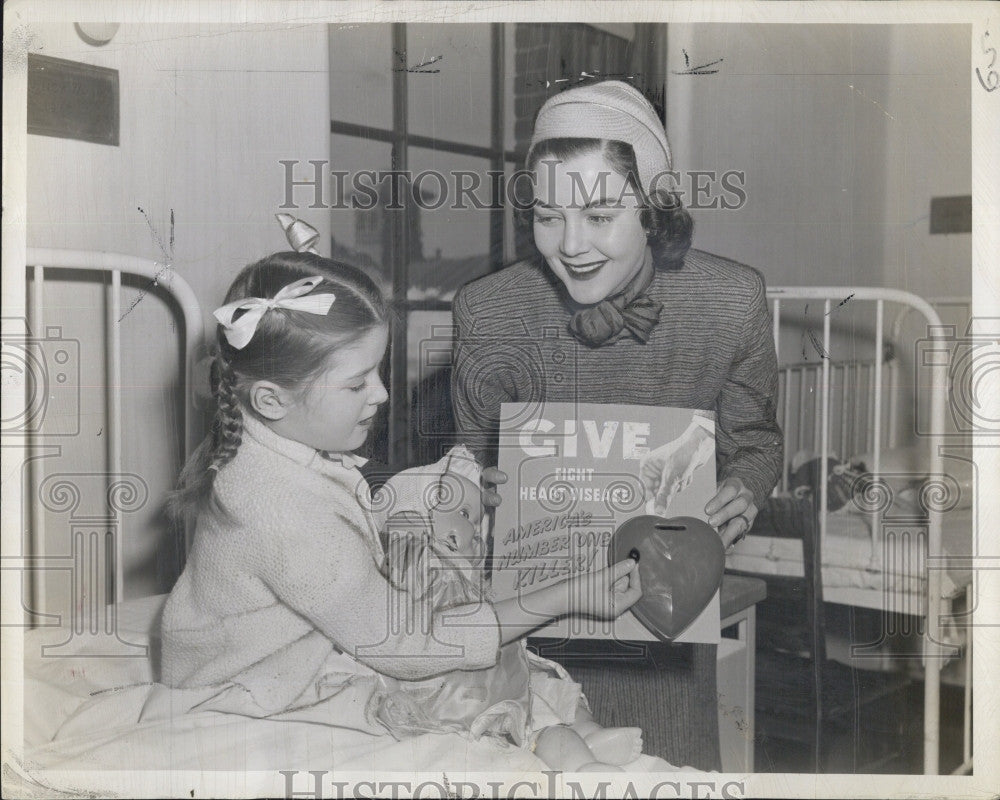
(289, 348)
(669, 227)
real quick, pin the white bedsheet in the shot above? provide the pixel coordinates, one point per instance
(87, 714)
(853, 559)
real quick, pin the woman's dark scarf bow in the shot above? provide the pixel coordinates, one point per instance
(630, 310)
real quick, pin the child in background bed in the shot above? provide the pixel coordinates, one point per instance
(282, 610)
(436, 554)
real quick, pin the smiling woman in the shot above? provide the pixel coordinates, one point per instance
(639, 318)
(617, 251)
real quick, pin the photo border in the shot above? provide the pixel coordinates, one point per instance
(984, 19)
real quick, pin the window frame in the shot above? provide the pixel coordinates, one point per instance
(398, 437)
(400, 140)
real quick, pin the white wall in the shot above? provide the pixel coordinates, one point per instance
(928, 155)
(845, 133)
(206, 114)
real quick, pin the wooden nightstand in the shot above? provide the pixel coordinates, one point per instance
(736, 670)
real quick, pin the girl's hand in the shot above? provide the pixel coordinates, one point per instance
(604, 594)
(732, 511)
(491, 477)
(607, 593)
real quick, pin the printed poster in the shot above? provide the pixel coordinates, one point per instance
(576, 471)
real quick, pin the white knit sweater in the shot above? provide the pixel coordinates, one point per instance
(268, 597)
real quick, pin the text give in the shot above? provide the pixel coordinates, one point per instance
(634, 436)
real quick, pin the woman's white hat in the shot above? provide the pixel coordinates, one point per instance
(608, 110)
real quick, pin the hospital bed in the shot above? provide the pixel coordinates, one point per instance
(90, 675)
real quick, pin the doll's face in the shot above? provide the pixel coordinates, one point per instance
(456, 519)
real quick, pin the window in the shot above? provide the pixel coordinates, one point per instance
(448, 106)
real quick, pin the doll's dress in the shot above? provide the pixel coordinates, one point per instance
(516, 697)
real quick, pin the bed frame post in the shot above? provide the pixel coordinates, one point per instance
(871, 407)
(114, 338)
(36, 470)
(932, 663)
(877, 436)
(824, 470)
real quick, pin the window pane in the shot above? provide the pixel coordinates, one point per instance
(361, 74)
(449, 246)
(512, 78)
(428, 367)
(449, 98)
(513, 228)
(360, 236)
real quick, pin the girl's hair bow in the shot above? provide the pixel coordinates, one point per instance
(294, 297)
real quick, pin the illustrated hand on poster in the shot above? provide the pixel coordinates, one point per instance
(667, 470)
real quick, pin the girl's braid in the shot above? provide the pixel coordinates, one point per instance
(228, 424)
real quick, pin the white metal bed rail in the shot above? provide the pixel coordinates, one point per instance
(828, 295)
(38, 261)
(852, 393)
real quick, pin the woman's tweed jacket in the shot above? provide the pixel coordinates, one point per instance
(713, 349)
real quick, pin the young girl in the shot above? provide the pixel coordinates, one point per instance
(435, 552)
(282, 610)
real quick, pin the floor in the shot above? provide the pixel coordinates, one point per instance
(886, 739)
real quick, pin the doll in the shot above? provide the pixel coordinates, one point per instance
(435, 551)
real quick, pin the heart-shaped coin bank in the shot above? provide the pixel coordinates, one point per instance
(681, 561)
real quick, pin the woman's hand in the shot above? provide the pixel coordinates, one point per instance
(667, 470)
(732, 511)
(491, 477)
